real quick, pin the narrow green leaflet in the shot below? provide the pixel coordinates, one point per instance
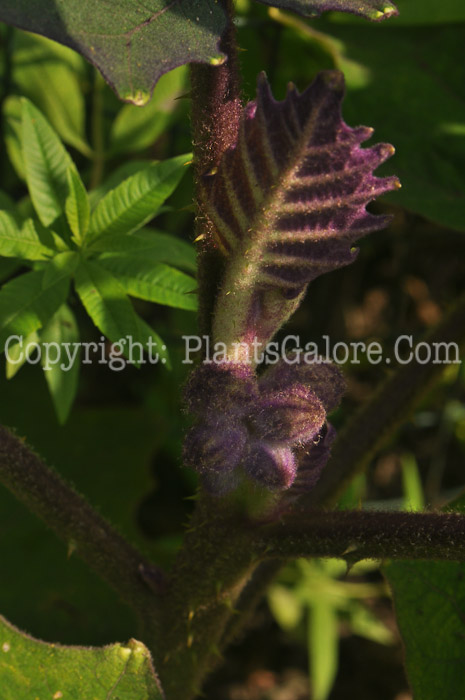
(18, 353)
(13, 131)
(46, 162)
(131, 43)
(106, 302)
(429, 600)
(370, 9)
(33, 670)
(152, 245)
(28, 242)
(27, 302)
(136, 200)
(323, 642)
(77, 205)
(154, 282)
(60, 353)
(51, 76)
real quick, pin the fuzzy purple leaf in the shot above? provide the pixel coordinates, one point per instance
(370, 9)
(291, 196)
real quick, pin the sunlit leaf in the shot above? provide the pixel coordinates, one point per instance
(132, 44)
(136, 200)
(30, 669)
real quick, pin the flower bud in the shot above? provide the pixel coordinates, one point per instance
(271, 466)
(289, 417)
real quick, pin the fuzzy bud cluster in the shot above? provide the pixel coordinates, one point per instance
(271, 429)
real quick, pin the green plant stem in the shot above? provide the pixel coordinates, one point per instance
(216, 111)
(356, 535)
(73, 520)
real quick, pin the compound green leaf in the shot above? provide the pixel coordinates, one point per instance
(28, 242)
(137, 199)
(31, 669)
(131, 43)
(154, 282)
(46, 162)
(152, 245)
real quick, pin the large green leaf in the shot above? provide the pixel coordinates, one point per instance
(46, 162)
(28, 302)
(154, 246)
(31, 669)
(131, 43)
(136, 200)
(155, 282)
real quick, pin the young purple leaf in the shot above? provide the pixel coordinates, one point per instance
(288, 203)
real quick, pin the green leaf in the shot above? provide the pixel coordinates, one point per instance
(132, 44)
(415, 99)
(30, 669)
(323, 637)
(136, 200)
(152, 245)
(137, 128)
(19, 353)
(27, 302)
(77, 205)
(8, 267)
(51, 76)
(46, 162)
(106, 302)
(424, 12)
(370, 9)
(30, 242)
(13, 131)
(154, 282)
(61, 368)
(428, 598)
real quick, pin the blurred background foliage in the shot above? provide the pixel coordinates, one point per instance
(121, 445)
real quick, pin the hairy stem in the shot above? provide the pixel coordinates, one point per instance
(216, 110)
(358, 535)
(73, 520)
